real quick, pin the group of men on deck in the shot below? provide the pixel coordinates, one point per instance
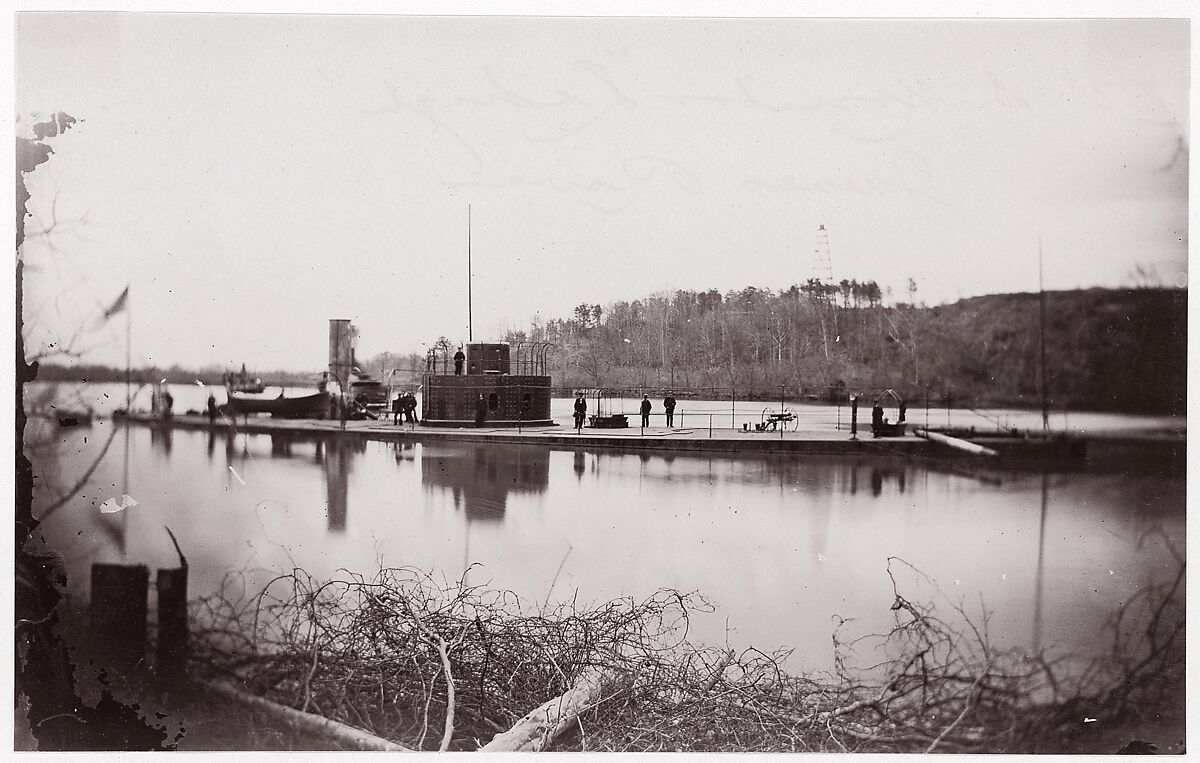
(405, 406)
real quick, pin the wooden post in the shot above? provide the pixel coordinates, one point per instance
(172, 647)
(117, 612)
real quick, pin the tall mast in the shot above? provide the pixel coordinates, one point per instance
(128, 355)
(469, 334)
(128, 411)
(1042, 333)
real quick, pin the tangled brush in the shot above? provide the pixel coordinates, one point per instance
(441, 665)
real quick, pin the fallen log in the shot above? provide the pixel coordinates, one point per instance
(544, 723)
(357, 738)
(955, 442)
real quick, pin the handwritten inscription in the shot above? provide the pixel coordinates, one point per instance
(584, 134)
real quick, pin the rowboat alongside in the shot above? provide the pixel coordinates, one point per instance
(305, 407)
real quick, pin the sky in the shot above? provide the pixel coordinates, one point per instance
(249, 177)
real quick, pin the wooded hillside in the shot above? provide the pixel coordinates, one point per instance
(1121, 350)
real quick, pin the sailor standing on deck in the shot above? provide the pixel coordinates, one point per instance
(645, 410)
(580, 411)
(397, 409)
(669, 404)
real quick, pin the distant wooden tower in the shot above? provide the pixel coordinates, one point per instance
(822, 266)
(508, 399)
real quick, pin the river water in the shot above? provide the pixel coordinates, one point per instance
(779, 545)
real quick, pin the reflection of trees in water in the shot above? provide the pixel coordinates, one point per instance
(481, 477)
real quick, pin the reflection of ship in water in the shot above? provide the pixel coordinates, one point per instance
(339, 455)
(160, 437)
(889, 473)
(404, 451)
(335, 455)
(281, 446)
(481, 477)
(881, 473)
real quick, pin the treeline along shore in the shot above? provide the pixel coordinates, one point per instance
(1105, 350)
(1122, 350)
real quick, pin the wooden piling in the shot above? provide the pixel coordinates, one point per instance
(117, 613)
(172, 647)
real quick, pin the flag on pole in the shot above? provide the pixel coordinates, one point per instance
(119, 305)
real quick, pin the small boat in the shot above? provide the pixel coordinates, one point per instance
(73, 417)
(304, 407)
(243, 382)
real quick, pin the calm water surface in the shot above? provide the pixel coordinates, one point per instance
(779, 545)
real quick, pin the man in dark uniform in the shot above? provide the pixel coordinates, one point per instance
(669, 404)
(459, 359)
(410, 407)
(580, 411)
(645, 410)
(397, 408)
(877, 419)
